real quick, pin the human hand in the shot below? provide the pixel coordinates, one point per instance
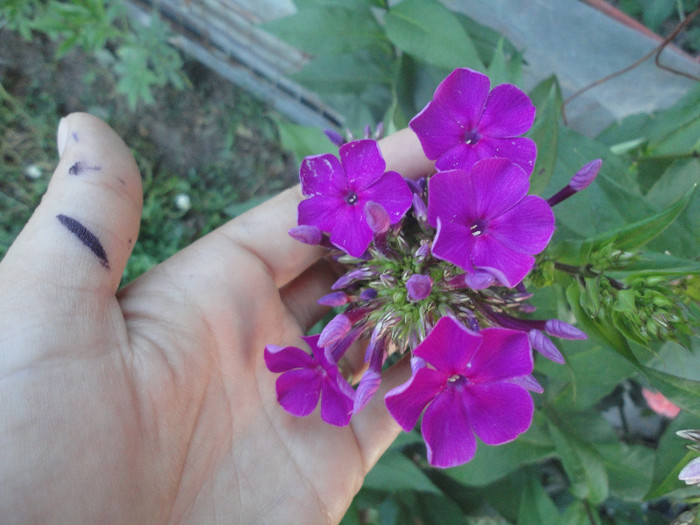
(153, 404)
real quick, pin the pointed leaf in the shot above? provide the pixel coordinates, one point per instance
(429, 31)
(640, 232)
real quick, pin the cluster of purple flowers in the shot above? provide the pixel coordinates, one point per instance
(435, 269)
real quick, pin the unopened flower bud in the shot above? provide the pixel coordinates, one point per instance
(563, 330)
(306, 234)
(528, 382)
(368, 294)
(335, 330)
(377, 218)
(334, 299)
(544, 346)
(580, 181)
(691, 473)
(335, 137)
(418, 287)
(420, 210)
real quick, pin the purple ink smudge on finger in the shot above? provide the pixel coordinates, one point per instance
(86, 237)
(79, 167)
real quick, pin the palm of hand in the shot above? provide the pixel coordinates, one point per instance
(155, 405)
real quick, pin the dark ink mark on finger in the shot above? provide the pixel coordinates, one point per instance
(75, 136)
(86, 237)
(122, 181)
(79, 167)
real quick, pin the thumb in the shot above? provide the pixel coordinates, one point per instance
(81, 235)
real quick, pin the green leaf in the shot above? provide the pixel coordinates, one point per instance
(536, 507)
(653, 264)
(492, 463)
(545, 132)
(629, 469)
(500, 69)
(638, 233)
(683, 392)
(671, 456)
(429, 31)
(591, 372)
(329, 28)
(604, 332)
(395, 472)
(582, 464)
(303, 141)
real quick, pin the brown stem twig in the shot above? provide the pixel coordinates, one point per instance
(654, 52)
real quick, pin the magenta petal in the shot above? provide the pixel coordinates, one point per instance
(280, 359)
(318, 172)
(336, 404)
(320, 211)
(492, 253)
(351, 232)
(449, 347)
(500, 411)
(520, 150)
(463, 94)
(447, 431)
(454, 243)
(437, 129)
(508, 112)
(298, 391)
(503, 354)
(392, 192)
(527, 227)
(406, 402)
(363, 163)
(449, 196)
(497, 185)
(461, 156)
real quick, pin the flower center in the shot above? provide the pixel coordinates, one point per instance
(458, 380)
(477, 228)
(351, 198)
(471, 137)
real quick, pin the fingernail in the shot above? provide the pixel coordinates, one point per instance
(62, 136)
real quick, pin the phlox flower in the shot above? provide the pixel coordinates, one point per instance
(305, 378)
(464, 123)
(466, 387)
(339, 190)
(486, 221)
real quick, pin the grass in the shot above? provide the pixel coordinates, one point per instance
(212, 142)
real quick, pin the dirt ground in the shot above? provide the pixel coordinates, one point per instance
(211, 126)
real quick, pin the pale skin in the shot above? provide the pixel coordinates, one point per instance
(152, 404)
